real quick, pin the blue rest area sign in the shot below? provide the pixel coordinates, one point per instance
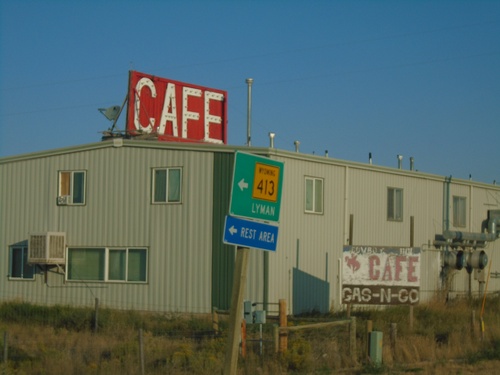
(248, 233)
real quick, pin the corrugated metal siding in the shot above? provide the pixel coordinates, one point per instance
(313, 243)
(183, 274)
(308, 242)
(479, 201)
(223, 256)
(118, 212)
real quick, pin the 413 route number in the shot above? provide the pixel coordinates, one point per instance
(265, 183)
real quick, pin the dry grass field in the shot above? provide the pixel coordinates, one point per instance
(54, 340)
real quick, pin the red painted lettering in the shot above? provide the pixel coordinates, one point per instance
(411, 269)
(387, 270)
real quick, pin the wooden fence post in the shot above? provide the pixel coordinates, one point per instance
(96, 315)
(5, 347)
(352, 339)
(276, 335)
(394, 336)
(473, 324)
(283, 346)
(215, 321)
(141, 351)
(369, 329)
(411, 317)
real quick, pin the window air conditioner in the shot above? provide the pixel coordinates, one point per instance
(47, 248)
(63, 200)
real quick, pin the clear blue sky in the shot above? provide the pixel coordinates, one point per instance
(416, 78)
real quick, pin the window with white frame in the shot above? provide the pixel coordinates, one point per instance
(107, 264)
(18, 263)
(394, 204)
(71, 188)
(167, 185)
(314, 195)
(459, 211)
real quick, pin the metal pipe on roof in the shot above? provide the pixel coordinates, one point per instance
(271, 139)
(296, 143)
(249, 82)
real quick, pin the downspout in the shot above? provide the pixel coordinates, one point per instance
(446, 224)
(446, 203)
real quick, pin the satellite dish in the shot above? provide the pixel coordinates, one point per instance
(110, 113)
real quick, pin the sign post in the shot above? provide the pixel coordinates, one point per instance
(239, 285)
(255, 201)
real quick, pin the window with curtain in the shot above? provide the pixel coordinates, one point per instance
(167, 185)
(314, 195)
(459, 211)
(107, 264)
(71, 188)
(394, 204)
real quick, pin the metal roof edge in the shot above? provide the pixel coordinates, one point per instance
(54, 152)
(265, 151)
(374, 167)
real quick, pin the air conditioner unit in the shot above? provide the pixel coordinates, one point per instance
(63, 200)
(47, 248)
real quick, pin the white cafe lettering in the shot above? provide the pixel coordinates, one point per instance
(169, 111)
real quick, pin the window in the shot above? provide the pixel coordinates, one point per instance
(395, 204)
(314, 195)
(18, 265)
(167, 185)
(71, 188)
(459, 211)
(107, 264)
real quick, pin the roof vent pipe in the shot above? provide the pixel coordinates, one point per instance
(400, 161)
(370, 157)
(296, 143)
(249, 82)
(271, 139)
(412, 163)
(326, 153)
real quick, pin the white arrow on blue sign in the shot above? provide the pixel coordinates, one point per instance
(248, 233)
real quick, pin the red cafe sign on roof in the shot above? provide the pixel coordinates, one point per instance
(175, 111)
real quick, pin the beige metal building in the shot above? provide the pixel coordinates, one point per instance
(139, 225)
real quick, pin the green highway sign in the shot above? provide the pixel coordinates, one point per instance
(256, 190)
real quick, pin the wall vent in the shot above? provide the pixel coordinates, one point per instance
(47, 248)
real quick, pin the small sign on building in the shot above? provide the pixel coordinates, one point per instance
(378, 275)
